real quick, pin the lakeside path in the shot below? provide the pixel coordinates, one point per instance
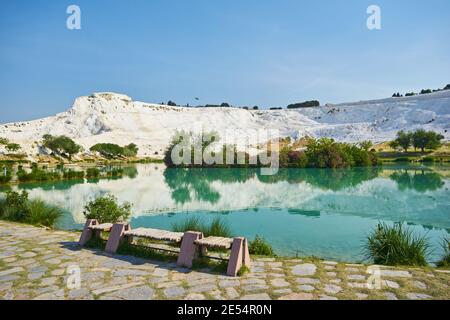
(34, 264)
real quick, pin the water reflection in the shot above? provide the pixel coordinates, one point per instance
(317, 211)
(420, 181)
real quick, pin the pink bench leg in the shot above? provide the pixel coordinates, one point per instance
(246, 260)
(86, 235)
(239, 256)
(188, 249)
(115, 236)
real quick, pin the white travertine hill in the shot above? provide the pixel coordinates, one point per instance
(116, 118)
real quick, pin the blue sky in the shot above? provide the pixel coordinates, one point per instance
(245, 52)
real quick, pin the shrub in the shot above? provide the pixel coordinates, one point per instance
(61, 145)
(260, 247)
(41, 213)
(17, 207)
(107, 210)
(72, 174)
(108, 150)
(13, 147)
(36, 174)
(306, 104)
(92, 173)
(396, 245)
(445, 261)
(189, 224)
(111, 150)
(5, 174)
(217, 228)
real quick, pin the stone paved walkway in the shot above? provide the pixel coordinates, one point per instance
(36, 263)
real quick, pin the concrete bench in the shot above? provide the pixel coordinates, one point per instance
(93, 228)
(194, 245)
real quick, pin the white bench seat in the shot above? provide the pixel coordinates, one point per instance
(156, 234)
(215, 242)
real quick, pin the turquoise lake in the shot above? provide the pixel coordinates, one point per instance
(321, 212)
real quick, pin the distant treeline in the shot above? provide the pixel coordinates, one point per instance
(423, 91)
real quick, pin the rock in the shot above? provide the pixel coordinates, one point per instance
(56, 295)
(306, 287)
(325, 297)
(79, 294)
(136, 293)
(297, 296)
(174, 292)
(360, 285)
(231, 293)
(361, 296)
(356, 277)
(390, 296)
(160, 272)
(58, 272)
(335, 281)
(253, 281)
(11, 271)
(417, 296)
(194, 296)
(115, 288)
(53, 261)
(35, 275)
(28, 254)
(419, 285)
(282, 291)
(275, 264)
(332, 274)
(168, 284)
(229, 283)
(332, 288)
(129, 272)
(259, 296)
(390, 284)
(395, 273)
(255, 287)
(203, 288)
(307, 281)
(279, 283)
(333, 263)
(306, 269)
(48, 281)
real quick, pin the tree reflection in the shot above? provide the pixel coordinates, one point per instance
(418, 180)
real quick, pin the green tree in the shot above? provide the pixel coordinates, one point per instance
(404, 139)
(426, 140)
(107, 210)
(394, 144)
(130, 150)
(61, 145)
(13, 147)
(3, 141)
(366, 145)
(108, 150)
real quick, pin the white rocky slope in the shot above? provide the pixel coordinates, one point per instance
(115, 118)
